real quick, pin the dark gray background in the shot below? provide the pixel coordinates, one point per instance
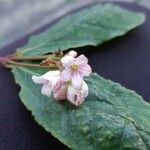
(125, 60)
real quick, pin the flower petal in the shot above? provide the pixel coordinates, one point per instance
(74, 96)
(48, 80)
(85, 70)
(46, 77)
(58, 85)
(61, 93)
(66, 60)
(51, 74)
(77, 81)
(39, 80)
(72, 53)
(66, 75)
(85, 90)
(81, 60)
(54, 81)
(46, 89)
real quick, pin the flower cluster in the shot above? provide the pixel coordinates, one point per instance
(67, 83)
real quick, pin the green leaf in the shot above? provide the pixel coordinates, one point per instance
(90, 26)
(112, 117)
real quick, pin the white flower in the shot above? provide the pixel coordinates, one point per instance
(76, 97)
(48, 80)
(72, 53)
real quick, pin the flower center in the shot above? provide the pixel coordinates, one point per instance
(68, 82)
(74, 67)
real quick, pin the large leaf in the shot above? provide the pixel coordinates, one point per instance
(91, 26)
(112, 117)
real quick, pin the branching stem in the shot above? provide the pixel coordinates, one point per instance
(12, 60)
(31, 58)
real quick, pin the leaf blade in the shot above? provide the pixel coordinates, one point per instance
(112, 117)
(91, 26)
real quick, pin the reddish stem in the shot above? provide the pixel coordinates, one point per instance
(4, 60)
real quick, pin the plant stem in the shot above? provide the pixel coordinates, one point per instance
(31, 58)
(6, 61)
(11, 62)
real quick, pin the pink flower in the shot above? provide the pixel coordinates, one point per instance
(75, 69)
(48, 80)
(67, 83)
(64, 90)
(68, 57)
